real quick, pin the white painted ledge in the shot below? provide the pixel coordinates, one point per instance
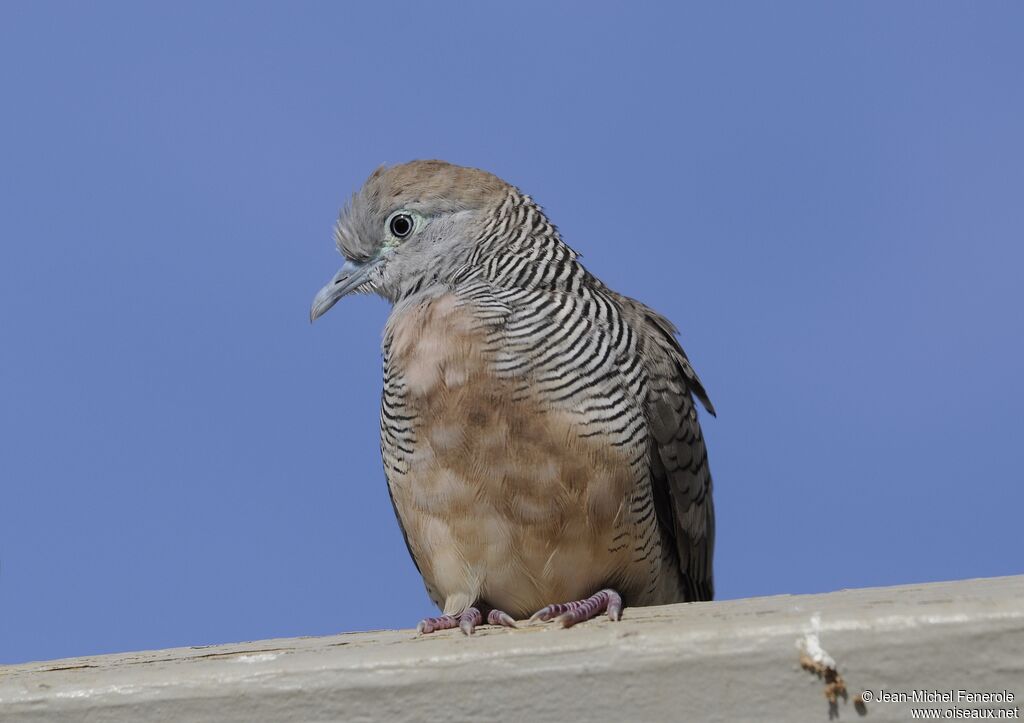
(721, 661)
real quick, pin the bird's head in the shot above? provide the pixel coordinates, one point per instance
(407, 225)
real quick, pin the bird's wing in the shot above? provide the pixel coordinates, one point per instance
(679, 460)
(678, 464)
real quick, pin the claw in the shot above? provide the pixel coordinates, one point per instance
(614, 610)
(546, 613)
(468, 620)
(499, 617)
(429, 625)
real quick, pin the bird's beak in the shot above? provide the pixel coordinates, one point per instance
(349, 279)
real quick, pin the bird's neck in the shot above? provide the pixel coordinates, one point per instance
(514, 246)
(519, 247)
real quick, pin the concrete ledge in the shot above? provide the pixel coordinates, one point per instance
(721, 661)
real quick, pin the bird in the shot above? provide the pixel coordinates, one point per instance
(539, 431)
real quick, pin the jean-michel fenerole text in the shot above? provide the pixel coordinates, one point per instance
(943, 696)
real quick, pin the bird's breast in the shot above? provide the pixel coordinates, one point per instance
(500, 497)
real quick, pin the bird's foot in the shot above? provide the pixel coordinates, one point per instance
(570, 613)
(466, 621)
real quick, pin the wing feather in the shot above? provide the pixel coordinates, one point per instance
(679, 459)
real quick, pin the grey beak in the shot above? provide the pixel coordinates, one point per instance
(349, 278)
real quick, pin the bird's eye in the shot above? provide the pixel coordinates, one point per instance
(401, 225)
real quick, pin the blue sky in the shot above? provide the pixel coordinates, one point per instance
(826, 198)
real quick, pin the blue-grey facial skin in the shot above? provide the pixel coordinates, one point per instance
(448, 205)
(439, 244)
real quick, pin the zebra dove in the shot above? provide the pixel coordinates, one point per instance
(538, 430)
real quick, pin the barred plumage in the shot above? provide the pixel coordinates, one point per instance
(537, 428)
